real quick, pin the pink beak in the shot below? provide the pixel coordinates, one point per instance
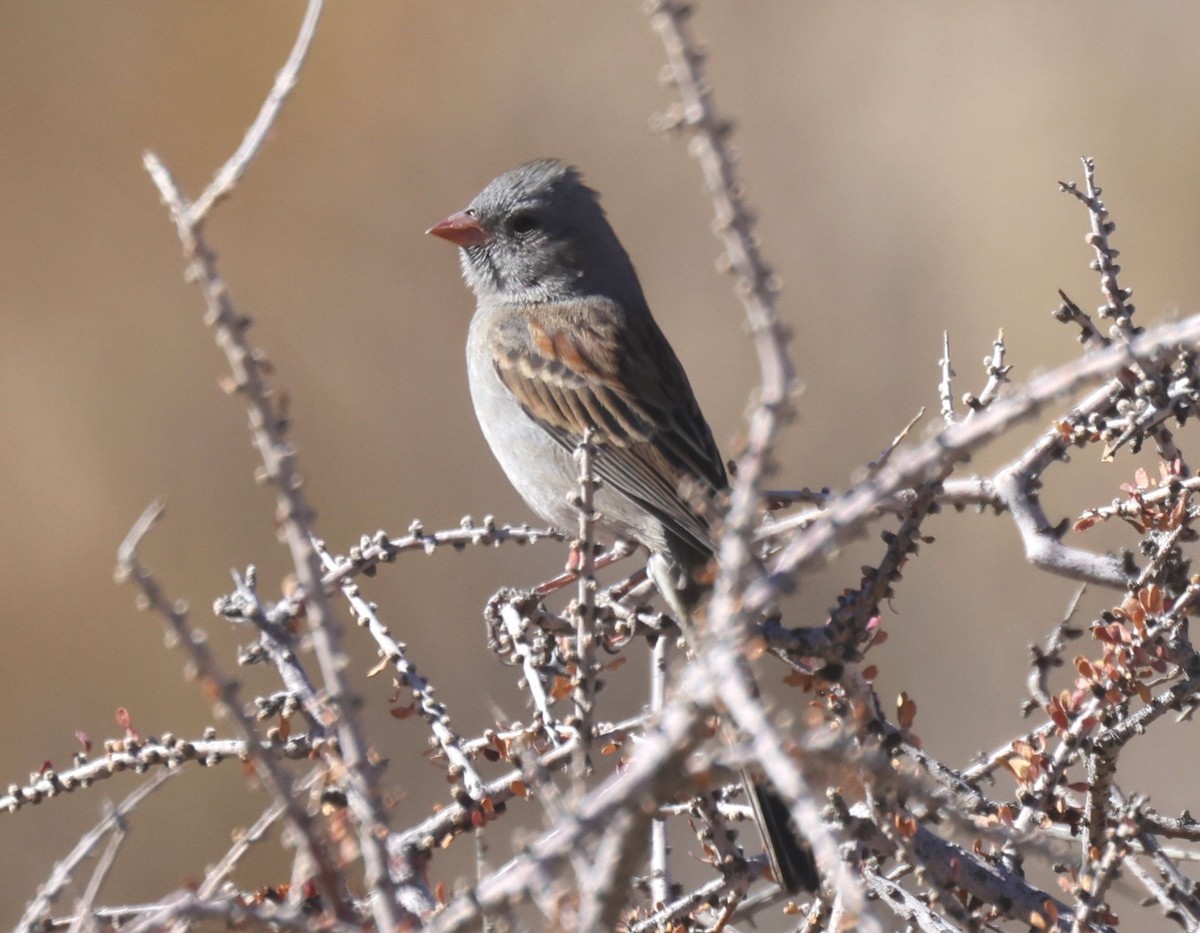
(461, 229)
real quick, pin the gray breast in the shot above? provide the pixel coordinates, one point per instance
(536, 466)
(541, 470)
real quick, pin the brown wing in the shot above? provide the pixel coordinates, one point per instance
(585, 364)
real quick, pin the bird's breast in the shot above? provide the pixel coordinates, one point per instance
(538, 467)
(542, 470)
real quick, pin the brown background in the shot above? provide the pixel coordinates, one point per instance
(903, 160)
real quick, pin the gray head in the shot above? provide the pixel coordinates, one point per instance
(538, 233)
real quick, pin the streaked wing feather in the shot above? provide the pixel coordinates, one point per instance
(651, 437)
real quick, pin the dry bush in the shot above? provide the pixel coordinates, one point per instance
(1032, 835)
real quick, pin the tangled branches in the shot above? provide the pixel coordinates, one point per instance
(643, 823)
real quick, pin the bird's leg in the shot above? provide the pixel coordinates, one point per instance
(619, 551)
(575, 555)
(621, 590)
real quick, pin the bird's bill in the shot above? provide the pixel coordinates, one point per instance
(461, 229)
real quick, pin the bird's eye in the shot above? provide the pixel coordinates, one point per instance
(522, 222)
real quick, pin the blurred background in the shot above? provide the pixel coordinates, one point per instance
(903, 161)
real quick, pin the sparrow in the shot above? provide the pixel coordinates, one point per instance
(562, 343)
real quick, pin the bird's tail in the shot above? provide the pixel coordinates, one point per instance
(790, 855)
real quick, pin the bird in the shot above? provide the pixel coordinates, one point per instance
(562, 347)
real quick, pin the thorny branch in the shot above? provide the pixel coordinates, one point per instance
(48, 893)
(729, 618)
(584, 694)
(901, 835)
(226, 693)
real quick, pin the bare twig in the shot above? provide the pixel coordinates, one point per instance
(997, 377)
(1070, 313)
(729, 616)
(225, 693)
(84, 919)
(268, 428)
(886, 454)
(660, 843)
(245, 839)
(650, 771)
(851, 511)
(756, 288)
(1117, 308)
(945, 386)
(169, 753)
(395, 655)
(584, 691)
(36, 913)
(231, 172)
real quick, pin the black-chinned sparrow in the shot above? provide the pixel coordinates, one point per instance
(562, 340)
